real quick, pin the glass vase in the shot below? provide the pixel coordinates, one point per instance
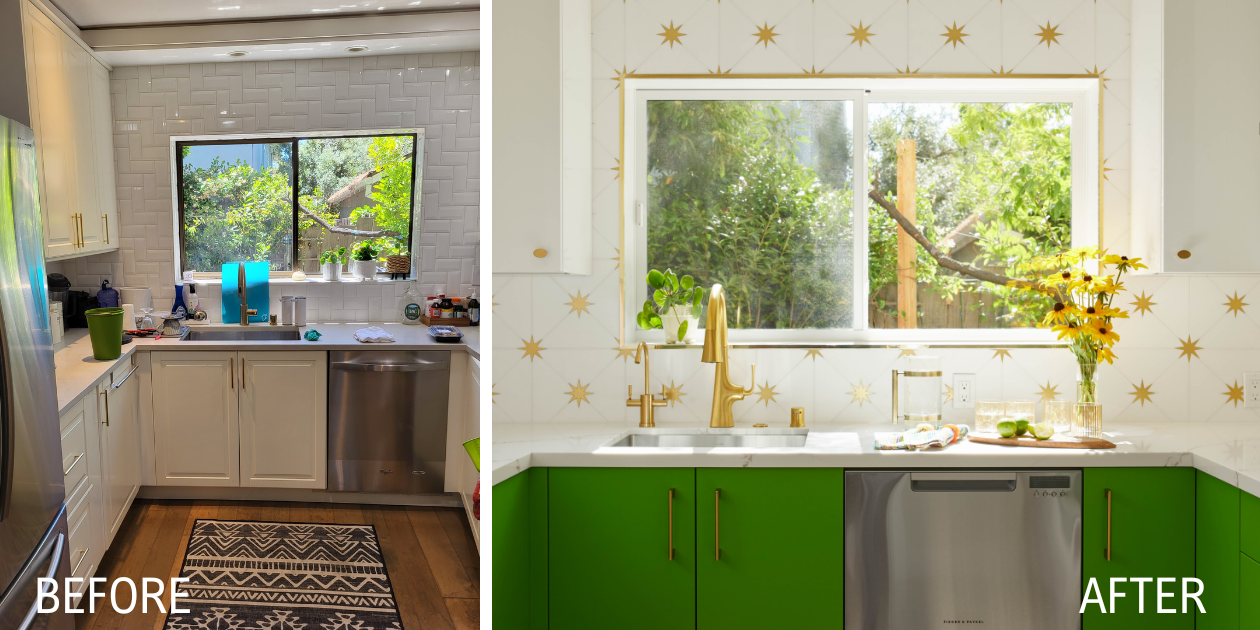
(1086, 382)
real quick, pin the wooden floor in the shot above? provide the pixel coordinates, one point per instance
(429, 553)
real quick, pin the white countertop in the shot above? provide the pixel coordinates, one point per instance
(78, 372)
(1227, 451)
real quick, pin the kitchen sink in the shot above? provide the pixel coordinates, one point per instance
(245, 333)
(711, 438)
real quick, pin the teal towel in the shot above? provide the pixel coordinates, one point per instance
(257, 291)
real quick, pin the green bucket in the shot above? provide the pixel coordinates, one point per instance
(105, 326)
(473, 447)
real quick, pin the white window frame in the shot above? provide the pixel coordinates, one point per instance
(1082, 93)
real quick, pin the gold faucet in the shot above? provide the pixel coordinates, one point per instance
(725, 393)
(647, 401)
(246, 311)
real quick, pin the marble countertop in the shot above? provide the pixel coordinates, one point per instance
(78, 372)
(1227, 451)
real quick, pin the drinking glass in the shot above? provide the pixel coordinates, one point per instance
(988, 413)
(1022, 410)
(1059, 415)
(1087, 420)
(146, 322)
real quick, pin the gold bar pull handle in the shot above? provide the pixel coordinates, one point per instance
(671, 523)
(1107, 551)
(717, 527)
(106, 217)
(82, 236)
(106, 395)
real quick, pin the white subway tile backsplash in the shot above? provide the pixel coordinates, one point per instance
(436, 91)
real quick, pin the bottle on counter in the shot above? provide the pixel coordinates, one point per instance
(299, 310)
(459, 311)
(435, 311)
(474, 311)
(411, 305)
(190, 298)
(178, 309)
(448, 307)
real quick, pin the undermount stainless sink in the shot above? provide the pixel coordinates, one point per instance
(710, 438)
(244, 333)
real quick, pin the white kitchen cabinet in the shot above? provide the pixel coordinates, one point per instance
(119, 443)
(1211, 120)
(284, 419)
(81, 470)
(472, 429)
(68, 91)
(542, 145)
(196, 436)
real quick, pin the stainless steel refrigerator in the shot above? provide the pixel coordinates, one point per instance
(33, 534)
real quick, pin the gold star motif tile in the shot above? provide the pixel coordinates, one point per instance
(766, 393)
(1143, 303)
(617, 257)
(948, 394)
(1001, 354)
(1189, 348)
(1142, 393)
(1048, 391)
(813, 353)
(1235, 304)
(861, 393)
(671, 34)
(812, 70)
(1099, 74)
(954, 35)
(765, 35)
(861, 34)
(579, 304)
(616, 168)
(1049, 34)
(906, 71)
(1234, 395)
(627, 353)
(578, 392)
(1106, 170)
(906, 352)
(532, 348)
(672, 393)
(719, 70)
(622, 74)
(1002, 71)
(493, 394)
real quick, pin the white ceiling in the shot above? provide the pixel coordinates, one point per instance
(458, 42)
(89, 13)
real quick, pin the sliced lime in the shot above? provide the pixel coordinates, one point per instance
(1006, 428)
(1042, 431)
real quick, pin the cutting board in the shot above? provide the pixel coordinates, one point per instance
(1056, 441)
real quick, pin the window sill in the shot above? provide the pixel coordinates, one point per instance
(310, 279)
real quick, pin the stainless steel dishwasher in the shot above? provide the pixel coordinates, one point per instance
(938, 549)
(387, 420)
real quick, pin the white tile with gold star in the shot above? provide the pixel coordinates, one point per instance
(1160, 372)
(1229, 320)
(1212, 382)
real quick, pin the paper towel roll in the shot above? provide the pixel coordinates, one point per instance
(138, 297)
(129, 316)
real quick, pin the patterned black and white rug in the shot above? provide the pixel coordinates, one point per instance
(246, 575)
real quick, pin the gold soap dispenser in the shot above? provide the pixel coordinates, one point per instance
(725, 393)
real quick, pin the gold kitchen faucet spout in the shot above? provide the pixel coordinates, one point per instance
(646, 402)
(716, 350)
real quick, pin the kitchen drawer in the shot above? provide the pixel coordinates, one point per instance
(81, 537)
(74, 453)
(1249, 582)
(77, 502)
(1249, 513)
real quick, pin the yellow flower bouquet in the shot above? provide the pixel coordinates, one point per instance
(1083, 311)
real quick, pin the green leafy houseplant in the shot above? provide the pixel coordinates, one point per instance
(334, 255)
(670, 292)
(365, 251)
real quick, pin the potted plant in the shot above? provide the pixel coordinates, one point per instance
(675, 306)
(364, 264)
(330, 263)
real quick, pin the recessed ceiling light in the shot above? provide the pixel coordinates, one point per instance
(357, 48)
(238, 53)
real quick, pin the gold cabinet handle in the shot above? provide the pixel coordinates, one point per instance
(1107, 551)
(671, 523)
(66, 472)
(82, 236)
(74, 225)
(106, 395)
(540, 253)
(717, 527)
(106, 217)
(232, 373)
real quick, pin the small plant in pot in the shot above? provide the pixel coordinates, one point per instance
(330, 263)
(674, 307)
(364, 263)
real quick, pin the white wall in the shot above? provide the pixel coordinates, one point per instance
(907, 35)
(439, 92)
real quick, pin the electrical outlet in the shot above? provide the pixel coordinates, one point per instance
(965, 391)
(1251, 389)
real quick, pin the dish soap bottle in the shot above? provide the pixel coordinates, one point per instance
(412, 305)
(178, 310)
(474, 311)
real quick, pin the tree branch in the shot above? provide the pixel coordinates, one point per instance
(950, 239)
(340, 230)
(935, 252)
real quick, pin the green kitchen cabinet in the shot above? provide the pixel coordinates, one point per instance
(1216, 551)
(1249, 515)
(520, 551)
(1152, 534)
(770, 548)
(1249, 582)
(622, 548)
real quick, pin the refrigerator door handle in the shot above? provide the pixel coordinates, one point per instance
(7, 421)
(52, 575)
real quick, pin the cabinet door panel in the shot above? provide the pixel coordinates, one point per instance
(284, 419)
(49, 93)
(103, 155)
(1152, 535)
(609, 533)
(1216, 551)
(120, 448)
(780, 532)
(195, 424)
(1249, 583)
(79, 80)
